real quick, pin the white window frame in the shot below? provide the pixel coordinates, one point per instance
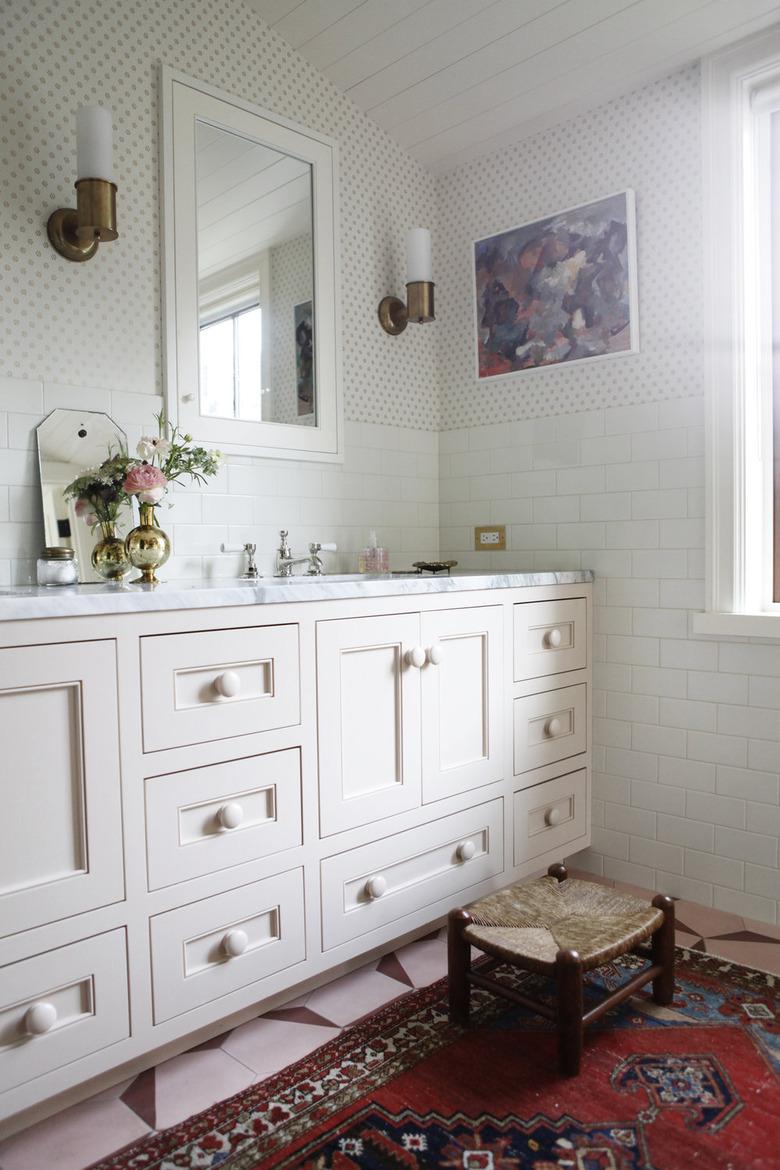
(738, 340)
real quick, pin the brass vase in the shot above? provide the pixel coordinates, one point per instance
(147, 547)
(109, 557)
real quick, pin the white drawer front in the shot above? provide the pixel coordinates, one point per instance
(381, 882)
(218, 683)
(550, 815)
(60, 1006)
(210, 948)
(550, 637)
(210, 818)
(549, 727)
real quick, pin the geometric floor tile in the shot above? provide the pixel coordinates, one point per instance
(268, 1045)
(765, 955)
(705, 921)
(424, 962)
(355, 995)
(191, 1082)
(74, 1138)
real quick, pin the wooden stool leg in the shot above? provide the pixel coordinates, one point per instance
(558, 870)
(568, 976)
(458, 965)
(662, 951)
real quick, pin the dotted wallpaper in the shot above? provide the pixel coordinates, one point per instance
(648, 140)
(291, 277)
(99, 324)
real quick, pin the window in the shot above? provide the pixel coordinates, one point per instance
(742, 337)
(231, 365)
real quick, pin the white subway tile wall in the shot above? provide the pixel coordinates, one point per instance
(686, 731)
(389, 481)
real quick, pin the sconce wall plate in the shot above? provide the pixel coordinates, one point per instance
(76, 232)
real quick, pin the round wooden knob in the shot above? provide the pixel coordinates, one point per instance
(230, 815)
(376, 886)
(415, 657)
(227, 684)
(553, 727)
(553, 638)
(466, 850)
(436, 654)
(40, 1018)
(235, 943)
(552, 817)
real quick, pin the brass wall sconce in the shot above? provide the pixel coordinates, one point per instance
(394, 315)
(76, 232)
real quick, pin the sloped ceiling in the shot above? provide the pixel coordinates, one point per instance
(453, 79)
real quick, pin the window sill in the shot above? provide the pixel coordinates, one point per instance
(738, 625)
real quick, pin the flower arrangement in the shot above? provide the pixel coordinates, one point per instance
(99, 492)
(165, 459)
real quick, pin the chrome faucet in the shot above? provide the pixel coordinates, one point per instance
(285, 561)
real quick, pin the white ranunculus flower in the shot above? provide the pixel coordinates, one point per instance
(146, 447)
(162, 447)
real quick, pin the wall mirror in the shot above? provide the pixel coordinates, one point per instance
(251, 295)
(70, 441)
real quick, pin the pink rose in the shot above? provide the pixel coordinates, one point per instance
(146, 482)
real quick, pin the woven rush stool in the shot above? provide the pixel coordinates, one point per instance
(560, 927)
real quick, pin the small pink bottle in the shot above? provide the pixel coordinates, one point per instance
(373, 558)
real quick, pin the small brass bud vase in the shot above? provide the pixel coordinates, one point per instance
(147, 547)
(109, 557)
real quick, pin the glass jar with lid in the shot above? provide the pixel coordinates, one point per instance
(57, 566)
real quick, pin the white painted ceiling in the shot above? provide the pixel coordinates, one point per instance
(454, 79)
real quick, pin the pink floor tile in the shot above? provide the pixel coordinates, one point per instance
(764, 956)
(765, 928)
(355, 995)
(194, 1081)
(74, 1138)
(705, 920)
(683, 939)
(424, 961)
(266, 1046)
(638, 891)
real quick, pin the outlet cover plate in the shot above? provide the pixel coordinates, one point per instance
(490, 538)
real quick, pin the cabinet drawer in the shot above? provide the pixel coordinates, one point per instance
(60, 1006)
(210, 948)
(376, 884)
(550, 815)
(210, 818)
(218, 683)
(549, 727)
(550, 637)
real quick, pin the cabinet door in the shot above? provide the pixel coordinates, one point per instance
(61, 834)
(462, 707)
(368, 698)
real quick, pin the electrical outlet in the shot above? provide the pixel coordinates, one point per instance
(490, 538)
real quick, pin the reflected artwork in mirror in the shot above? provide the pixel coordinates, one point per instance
(69, 442)
(255, 274)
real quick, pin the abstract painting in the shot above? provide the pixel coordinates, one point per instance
(304, 357)
(560, 289)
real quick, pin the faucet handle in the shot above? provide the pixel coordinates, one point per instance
(317, 547)
(284, 548)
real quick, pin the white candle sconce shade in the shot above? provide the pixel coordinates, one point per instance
(76, 232)
(394, 315)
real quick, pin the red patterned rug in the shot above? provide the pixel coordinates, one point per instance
(691, 1086)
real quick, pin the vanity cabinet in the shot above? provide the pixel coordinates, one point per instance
(410, 711)
(211, 807)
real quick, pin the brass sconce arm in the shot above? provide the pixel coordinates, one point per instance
(76, 232)
(394, 315)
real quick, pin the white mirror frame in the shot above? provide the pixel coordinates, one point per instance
(183, 101)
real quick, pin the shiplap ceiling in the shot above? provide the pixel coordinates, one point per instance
(250, 198)
(453, 79)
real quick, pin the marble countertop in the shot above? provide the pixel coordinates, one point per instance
(17, 604)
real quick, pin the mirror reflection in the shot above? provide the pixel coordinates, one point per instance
(255, 280)
(69, 442)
